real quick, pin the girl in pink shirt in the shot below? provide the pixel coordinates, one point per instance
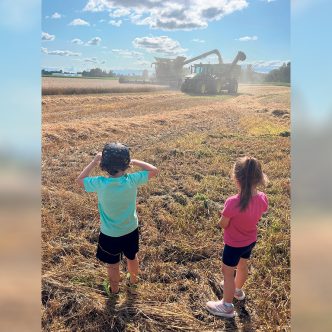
(239, 220)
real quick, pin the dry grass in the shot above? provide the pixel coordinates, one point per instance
(71, 86)
(194, 142)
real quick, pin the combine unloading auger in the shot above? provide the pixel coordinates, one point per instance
(204, 55)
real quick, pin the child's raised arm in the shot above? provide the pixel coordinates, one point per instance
(153, 171)
(87, 170)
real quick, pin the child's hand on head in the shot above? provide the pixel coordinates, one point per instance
(97, 157)
(132, 162)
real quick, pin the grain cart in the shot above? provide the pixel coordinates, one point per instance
(172, 71)
(213, 78)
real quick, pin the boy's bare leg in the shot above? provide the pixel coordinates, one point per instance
(241, 273)
(132, 265)
(229, 284)
(114, 276)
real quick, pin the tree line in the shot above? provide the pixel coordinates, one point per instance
(97, 72)
(282, 74)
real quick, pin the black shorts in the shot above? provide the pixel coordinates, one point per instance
(110, 249)
(231, 255)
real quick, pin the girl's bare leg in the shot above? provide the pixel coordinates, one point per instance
(132, 265)
(229, 284)
(241, 273)
(113, 271)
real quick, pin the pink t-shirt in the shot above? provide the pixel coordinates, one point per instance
(242, 228)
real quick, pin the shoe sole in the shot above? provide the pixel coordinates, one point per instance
(220, 314)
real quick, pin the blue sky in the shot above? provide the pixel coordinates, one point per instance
(117, 35)
(20, 31)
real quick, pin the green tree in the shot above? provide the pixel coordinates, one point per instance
(282, 74)
(97, 72)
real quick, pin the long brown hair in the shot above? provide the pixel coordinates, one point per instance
(248, 172)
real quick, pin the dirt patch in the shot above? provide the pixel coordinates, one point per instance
(279, 113)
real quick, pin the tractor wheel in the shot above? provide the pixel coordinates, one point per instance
(218, 87)
(185, 86)
(233, 87)
(201, 88)
(214, 87)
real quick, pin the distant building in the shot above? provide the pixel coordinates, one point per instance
(67, 74)
(60, 73)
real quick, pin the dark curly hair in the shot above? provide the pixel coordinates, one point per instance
(115, 157)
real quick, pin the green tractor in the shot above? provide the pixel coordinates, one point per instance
(213, 78)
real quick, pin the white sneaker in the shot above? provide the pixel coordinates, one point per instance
(218, 308)
(239, 295)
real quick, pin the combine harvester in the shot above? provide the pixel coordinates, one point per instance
(170, 71)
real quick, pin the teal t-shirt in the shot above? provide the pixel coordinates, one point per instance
(117, 201)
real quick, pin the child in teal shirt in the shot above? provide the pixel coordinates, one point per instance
(117, 208)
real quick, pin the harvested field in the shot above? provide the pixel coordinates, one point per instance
(70, 86)
(194, 141)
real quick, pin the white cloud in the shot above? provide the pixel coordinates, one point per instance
(115, 23)
(93, 60)
(79, 21)
(59, 52)
(127, 53)
(46, 36)
(77, 41)
(120, 12)
(56, 16)
(196, 40)
(162, 45)
(94, 41)
(269, 64)
(169, 14)
(247, 38)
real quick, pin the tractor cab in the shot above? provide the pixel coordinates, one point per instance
(201, 68)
